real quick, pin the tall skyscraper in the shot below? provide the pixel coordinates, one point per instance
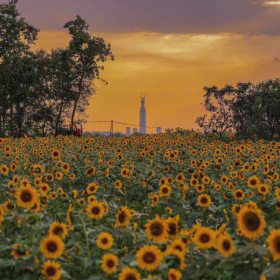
(142, 123)
(158, 129)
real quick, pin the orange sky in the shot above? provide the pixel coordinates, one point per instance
(172, 69)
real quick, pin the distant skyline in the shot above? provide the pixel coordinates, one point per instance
(171, 49)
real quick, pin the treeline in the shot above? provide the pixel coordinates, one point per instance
(250, 111)
(41, 92)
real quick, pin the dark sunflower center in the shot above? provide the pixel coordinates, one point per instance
(52, 246)
(149, 257)
(277, 244)
(253, 182)
(10, 206)
(156, 228)
(110, 263)
(26, 196)
(122, 217)
(238, 194)
(55, 154)
(20, 252)
(50, 271)
(95, 210)
(204, 200)
(263, 189)
(130, 276)
(49, 177)
(226, 245)
(92, 188)
(172, 229)
(251, 221)
(179, 248)
(104, 241)
(58, 230)
(90, 171)
(165, 190)
(204, 238)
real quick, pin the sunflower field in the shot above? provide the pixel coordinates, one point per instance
(163, 206)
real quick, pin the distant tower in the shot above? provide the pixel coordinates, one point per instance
(127, 130)
(158, 130)
(142, 123)
(134, 129)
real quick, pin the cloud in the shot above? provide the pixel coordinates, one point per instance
(161, 16)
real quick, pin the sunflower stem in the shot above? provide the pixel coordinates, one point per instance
(86, 235)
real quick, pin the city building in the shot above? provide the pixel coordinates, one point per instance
(127, 130)
(158, 129)
(134, 129)
(142, 122)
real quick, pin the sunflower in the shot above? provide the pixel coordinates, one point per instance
(44, 188)
(59, 229)
(225, 245)
(18, 252)
(157, 230)
(165, 190)
(49, 177)
(200, 188)
(273, 241)
(58, 175)
(174, 274)
(128, 273)
(123, 217)
(204, 238)
(4, 169)
(96, 210)
(81, 201)
(239, 195)
(69, 216)
(51, 270)
(235, 209)
(149, 257)
(56, 154)
(8, 206)
(52, 246)
(92, 188)
(26, 197)
(204, 200)
(173, 227)
(263, 189)
(251, 222)
(90, 172)
(118, 184)
(180, 178)
(253, 182)
(105, 240)
(179, 245)
(155, 199)
(65, 167)
(124, 172)
(110, 263)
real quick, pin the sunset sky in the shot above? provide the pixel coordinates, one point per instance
(169, 48)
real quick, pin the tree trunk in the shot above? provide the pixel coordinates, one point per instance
(76, 102)
(58, 117)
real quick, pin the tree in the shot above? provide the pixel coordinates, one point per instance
(85, 52)
(221, 119)
(15, 34)
(256, 110)
(251, 110)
